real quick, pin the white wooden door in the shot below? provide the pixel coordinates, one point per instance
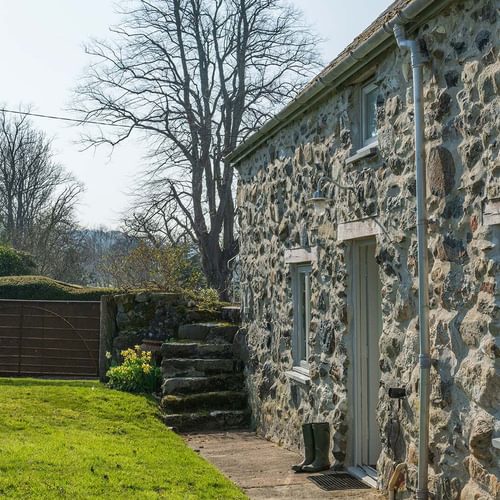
(368, 321)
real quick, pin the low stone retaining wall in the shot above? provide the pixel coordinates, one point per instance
(129, 319)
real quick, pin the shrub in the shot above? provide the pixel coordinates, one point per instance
(136, 374)
(43, 288)
(206, 298)
(168, 267)
(15, 263)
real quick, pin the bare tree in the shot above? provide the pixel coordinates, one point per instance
(197, 76)
(37, 197)
(156, 216)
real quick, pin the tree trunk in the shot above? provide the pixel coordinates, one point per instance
(214, 262)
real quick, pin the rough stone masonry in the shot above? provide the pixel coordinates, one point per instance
(462, 121)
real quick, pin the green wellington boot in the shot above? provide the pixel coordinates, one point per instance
(307, 432)
(321, 432)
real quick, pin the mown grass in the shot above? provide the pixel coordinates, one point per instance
(81, 440)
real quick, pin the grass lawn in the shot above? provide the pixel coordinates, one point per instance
(79, 439)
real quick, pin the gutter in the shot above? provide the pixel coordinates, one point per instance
(346, 67)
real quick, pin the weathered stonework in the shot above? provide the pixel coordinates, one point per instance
(462, 122)
(149, 315)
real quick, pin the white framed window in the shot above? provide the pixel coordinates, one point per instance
(369, 114)
(301, 316)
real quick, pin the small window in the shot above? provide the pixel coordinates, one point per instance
(302, 316)
(369, 114)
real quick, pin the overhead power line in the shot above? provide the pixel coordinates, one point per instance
(62, 118)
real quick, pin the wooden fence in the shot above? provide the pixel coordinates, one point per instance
(49, 338)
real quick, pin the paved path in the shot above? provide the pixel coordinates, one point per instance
(262, 469)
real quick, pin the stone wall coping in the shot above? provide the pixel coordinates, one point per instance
(298, 255)
(297, 376)
(358, 229)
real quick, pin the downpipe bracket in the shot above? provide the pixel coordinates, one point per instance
(424, 361)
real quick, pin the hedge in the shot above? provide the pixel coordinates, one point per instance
(43, 288)
(15, 263)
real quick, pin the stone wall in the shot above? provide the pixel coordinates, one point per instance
(152, 316)
(462, 121)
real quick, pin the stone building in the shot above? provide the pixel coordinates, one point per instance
(329, 299)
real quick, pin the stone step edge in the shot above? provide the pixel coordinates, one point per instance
(198, 359)
(192, 344)
(197, 370)
(207, 394)
(204, 377)
(193, 385)
(215, 420)
(211, 413)
(198, 351)
(201, 398)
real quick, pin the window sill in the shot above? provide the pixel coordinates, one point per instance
(298, 376)
(364, 152)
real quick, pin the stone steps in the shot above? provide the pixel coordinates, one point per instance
(194, 385)
(208, 332)
(192, 367)
(208, 421)
(203, 382)
(231, 314)
(195, 350)
(203, 402)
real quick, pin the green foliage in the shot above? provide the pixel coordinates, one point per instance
(43, 288)
(78, 439)
(206, 299)
(15, 263)
(136, 374)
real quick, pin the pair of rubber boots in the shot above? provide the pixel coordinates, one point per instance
(316, 448)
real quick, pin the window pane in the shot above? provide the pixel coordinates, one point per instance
(303, 316)
(370, 113)
(307, 307)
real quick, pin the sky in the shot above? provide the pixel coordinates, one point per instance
(42, 60)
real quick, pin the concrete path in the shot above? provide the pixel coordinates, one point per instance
(262, 469)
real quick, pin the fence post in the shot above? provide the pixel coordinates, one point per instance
(107, 333)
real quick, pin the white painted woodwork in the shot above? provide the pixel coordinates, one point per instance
(362, 475)
(298, 376)
(365, 152)
(367, 329)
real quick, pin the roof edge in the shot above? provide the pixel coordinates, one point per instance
(343, 65)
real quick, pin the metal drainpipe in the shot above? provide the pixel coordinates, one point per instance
(423, 264)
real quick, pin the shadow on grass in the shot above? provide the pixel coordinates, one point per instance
(30, 382)
(70, 383)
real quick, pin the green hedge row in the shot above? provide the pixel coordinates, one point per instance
(43, 288)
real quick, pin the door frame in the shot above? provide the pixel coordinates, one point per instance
(356, 434)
